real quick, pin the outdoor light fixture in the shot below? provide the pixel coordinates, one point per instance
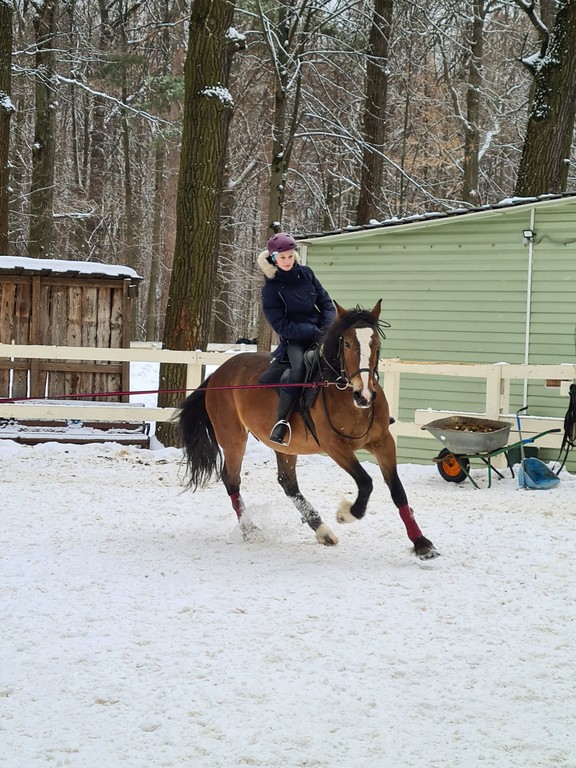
(528, 236)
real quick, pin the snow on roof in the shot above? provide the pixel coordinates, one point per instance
(509, 202)
(26, 265)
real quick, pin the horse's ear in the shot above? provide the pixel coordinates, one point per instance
(341, 311)
(376, 309)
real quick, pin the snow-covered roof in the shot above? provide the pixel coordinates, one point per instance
(429, 216)
(22, 265)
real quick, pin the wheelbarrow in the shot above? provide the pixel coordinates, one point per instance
(466, 438)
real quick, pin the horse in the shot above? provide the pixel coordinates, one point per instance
(350, 413)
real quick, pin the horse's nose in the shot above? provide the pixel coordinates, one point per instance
(360, 401)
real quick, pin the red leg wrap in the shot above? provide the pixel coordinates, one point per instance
(238, 504)
(407, 516)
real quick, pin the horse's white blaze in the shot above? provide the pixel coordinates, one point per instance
(364, 336)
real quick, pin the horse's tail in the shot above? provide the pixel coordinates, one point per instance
(203, 455)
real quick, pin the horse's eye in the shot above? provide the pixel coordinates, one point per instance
(347, 344)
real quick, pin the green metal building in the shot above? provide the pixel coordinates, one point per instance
(486, 285)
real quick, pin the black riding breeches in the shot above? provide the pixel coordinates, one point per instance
(296, 351)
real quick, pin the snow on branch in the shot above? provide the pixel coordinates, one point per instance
(113, 99)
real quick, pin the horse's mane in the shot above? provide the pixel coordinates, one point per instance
(354, 318)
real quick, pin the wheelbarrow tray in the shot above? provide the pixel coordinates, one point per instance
(469, 435)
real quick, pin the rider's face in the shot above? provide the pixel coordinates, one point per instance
(285, 260)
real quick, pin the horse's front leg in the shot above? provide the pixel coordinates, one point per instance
(349, 512)
(385, 454)
(289, 482)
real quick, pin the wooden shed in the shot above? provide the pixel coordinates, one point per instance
(69, 303)
(484, 285)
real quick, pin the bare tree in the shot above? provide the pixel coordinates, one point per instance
(6, 110)
(545, 161)
(207, 112)
(471, 163)
(375, 118)
(293, 32)
(468, 107)
(300, 149)
(166, 88)
(41, 236)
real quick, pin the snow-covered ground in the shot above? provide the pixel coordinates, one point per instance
(139, 630)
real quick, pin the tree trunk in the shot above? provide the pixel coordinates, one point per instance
(170, 196)
(473, 100)
(154, 279)
(280, 150)
(6, 110)
(229, 272)
(545, 156)
(95, 233)
(374, 131)
(283, 127)
(207, 113)
(171, 65)
(41, 234)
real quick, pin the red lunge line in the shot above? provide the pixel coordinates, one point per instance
(158, 391)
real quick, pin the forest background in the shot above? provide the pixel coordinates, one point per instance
(324, 114)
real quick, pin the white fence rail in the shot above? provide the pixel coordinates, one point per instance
(497, 376)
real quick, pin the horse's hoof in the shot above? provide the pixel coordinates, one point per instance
(344, 515)
(430, 554)
(325, 535)
(424, 549)
(251, 532)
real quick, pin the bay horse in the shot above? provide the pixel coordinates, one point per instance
(350, 413)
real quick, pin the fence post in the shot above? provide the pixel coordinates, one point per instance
(391, 386)
(493, 391)
(193, 375)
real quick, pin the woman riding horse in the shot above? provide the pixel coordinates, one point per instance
(350, 414)
(298, 309)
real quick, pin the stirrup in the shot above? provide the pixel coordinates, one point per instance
(279, 431)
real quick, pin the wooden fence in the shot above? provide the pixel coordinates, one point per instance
(497, 377)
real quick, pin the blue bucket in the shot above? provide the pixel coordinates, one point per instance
(535, 475)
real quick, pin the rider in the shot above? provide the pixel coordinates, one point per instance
(299, 309)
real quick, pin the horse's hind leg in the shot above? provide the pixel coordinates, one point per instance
(289, 482)
(233, 450)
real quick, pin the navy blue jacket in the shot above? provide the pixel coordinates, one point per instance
(297, 307)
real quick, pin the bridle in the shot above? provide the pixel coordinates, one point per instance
(343, 381)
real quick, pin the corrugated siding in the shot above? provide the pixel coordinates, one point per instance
(456, 290)
(553, 318)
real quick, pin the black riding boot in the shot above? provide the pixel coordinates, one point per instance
(281, 432)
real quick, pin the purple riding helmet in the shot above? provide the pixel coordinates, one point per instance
(281, 242)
